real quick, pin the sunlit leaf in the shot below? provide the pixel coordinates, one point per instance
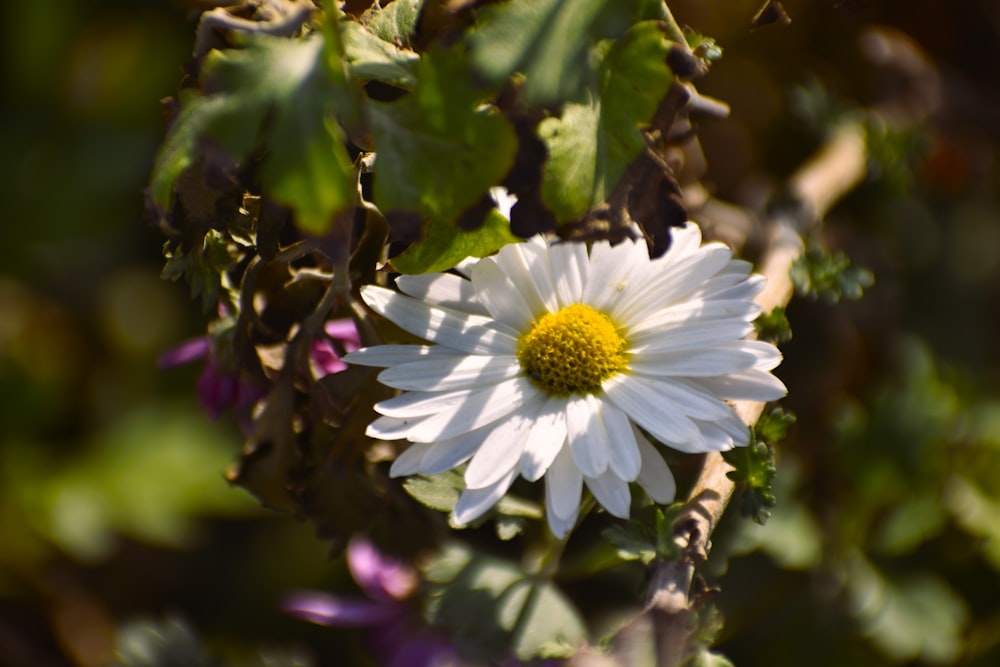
(439, 492)
(915, 618)
(169, 643)
(913, 522)
(278, 92)
(494, 608)
(976, 512)
(706, 658)
(372, 56)
(395, 22)
(542, 621)
(548, 41)
(443, 246)
(439, 151)
(592, 143)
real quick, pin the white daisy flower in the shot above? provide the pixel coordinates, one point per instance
(549, 360)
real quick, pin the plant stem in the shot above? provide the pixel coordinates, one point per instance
(673, 30)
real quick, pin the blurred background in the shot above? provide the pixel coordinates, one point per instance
(884, 548)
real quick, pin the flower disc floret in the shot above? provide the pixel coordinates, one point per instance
(572, 351)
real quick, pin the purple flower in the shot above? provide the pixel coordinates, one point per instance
(325, 356)
(397, 638)
(218, 388)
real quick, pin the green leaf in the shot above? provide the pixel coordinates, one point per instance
(547, 40)
(542, 621)
(792, 537)
(444, 246)
(204, 268)
(773, 326)
(703, 47)
(976, 512)
(465, 601)
(646, 541)
(279, 93)
(915, 619)
(592, 143)
(439, 492)
(494, 608)
(151, 476)
(910, 524)
(439, 150)
(773, 426)
(819, 274)
(755, 470)
(514, 506)
(371, 56)
(169, 643)
(509, 527)
(395, 22)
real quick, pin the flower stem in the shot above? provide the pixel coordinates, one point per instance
(673, 30)
(544, 561)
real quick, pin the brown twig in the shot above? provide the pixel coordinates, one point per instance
(282, 18)
(816, 186)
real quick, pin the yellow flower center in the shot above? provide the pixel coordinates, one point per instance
(572, 351)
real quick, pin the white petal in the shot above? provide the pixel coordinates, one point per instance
(745, 289)
(683, 242)
(474, 502)
(547, 437)
(559, 526)
(408, 463)
(612, 493)
(447, 454)
(588, 443)
(690, 313)
(500, 296)
(689, 397)
(500, 451)
(729, 276)
(391, 428)
(473, 334)
(713, 437)
(527, 265)
(689, 336)
(677, 282)
(483, 406)
(391, 355)
(736, 428)
(655, 477)
(450, 373)
(417, 404)
(563, 484)
(634, 397)
(768, 356)
(694, 363)
(624, 454)
(613, 271)
(465, 266)
(751, 385)
(442, 289)
(570, 267)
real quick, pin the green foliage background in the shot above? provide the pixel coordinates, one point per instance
(883, 545)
